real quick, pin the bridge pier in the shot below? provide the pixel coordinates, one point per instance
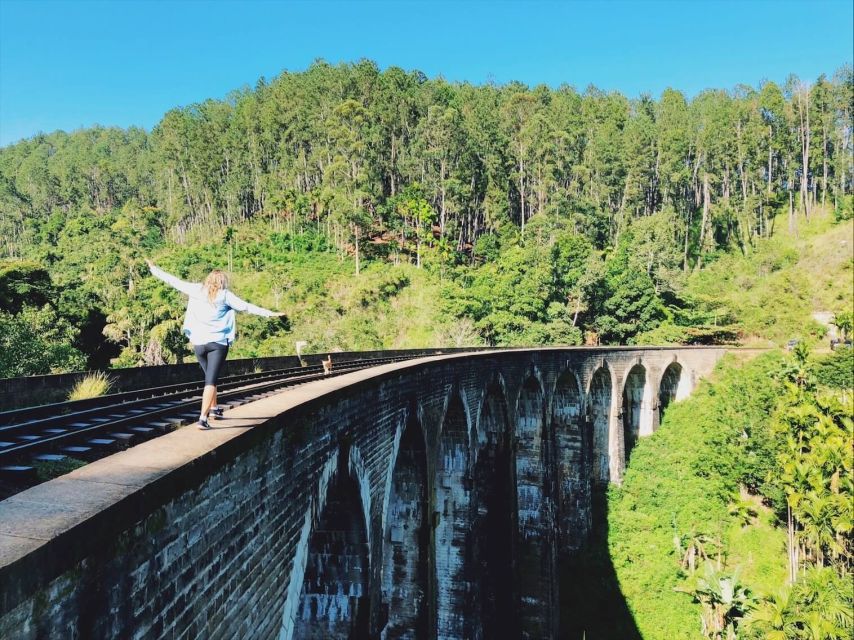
(572, 447)
(535, 560)
(405, 559)
(495, 519)
(453, 525)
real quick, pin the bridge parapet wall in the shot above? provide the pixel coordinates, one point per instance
(284, 524)
(36, 390)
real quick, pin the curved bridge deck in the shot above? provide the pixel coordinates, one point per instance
(430, 498)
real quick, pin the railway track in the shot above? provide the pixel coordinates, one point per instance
(41, 442)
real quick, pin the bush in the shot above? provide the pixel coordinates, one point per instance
(50, 470)
(845, 208)
(836, 370)
(663, 334)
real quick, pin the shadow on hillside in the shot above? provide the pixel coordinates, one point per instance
(592, 607)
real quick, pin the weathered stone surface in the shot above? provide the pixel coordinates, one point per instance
(426, 499)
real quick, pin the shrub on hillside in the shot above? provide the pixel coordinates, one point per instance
(836, 369)
(845, 208)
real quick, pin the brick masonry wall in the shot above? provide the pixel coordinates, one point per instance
(226, 547)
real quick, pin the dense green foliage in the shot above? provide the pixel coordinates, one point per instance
(836, 369)
(34, 338)
(37, 341)
(533, 215)
(735, 518)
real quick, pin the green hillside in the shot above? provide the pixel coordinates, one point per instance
(770, 294)
(384, 209)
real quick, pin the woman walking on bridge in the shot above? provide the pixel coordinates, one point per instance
(209, 323)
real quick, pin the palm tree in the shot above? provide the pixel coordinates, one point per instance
(844, 320)
(773, 617)
(825, 607)
(724, 600)
(693, 547)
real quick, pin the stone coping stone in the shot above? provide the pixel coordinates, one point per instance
(48, 529)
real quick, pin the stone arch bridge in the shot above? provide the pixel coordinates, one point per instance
(434, 498)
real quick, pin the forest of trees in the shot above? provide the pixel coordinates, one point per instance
(547, 213)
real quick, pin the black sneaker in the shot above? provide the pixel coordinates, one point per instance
(217, 412)
(203, 424)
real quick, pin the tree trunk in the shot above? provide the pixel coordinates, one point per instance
(805, 156)
(442, 209)
(793, 225)
(522, 188)
(391, 168)
(824, 162)
(770, 140)
(704, 222)
(685, 246)
(791, 546)
(356, 234)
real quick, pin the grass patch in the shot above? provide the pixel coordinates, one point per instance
(50, 470)
(93, 385)
(759, 551)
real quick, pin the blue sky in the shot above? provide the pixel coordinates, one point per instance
(66, 64)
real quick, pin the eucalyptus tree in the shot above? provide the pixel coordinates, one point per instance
(640, 194)
(516, 111)
(674, 160)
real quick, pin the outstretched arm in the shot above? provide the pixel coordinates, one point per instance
(184, 287)
(239, 304)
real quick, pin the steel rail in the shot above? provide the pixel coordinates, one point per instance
(107, 420)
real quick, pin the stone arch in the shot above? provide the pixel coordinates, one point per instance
(359, 472)
(675, 386)
(599, 417)
(494, 523)
(335, 599)
(571, 461)
(300, 556)
(495, 391)
(406, 537)
(534, 513)
(636, 409)
(453, 519)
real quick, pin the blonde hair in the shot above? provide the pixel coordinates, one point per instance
(215, 282)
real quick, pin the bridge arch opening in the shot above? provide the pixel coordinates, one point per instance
(405, 544)
(535, 529)
(494, 521)
(637, 409)
(572, 475)
(599, 416)
(675, 385)
(335, 600)
(453, 519)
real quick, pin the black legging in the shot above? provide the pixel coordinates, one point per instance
(211, 358)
